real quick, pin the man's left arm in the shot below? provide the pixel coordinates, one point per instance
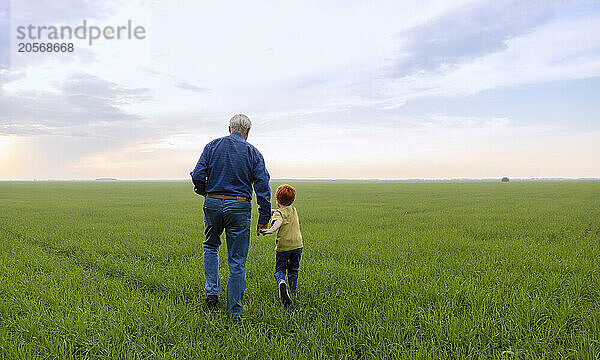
(262, 190)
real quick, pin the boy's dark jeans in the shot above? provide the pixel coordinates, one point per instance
(290, 261)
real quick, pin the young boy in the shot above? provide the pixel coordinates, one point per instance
(289, 241)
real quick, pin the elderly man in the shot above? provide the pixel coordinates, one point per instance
(227, 170)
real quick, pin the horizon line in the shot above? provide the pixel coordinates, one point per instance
(449, 179)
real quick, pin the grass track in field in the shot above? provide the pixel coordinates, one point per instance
(389, 270)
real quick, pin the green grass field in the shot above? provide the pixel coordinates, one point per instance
(389, 270)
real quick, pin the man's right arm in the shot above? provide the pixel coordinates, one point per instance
(200, 172)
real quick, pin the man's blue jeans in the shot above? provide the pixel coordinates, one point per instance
(234, 217)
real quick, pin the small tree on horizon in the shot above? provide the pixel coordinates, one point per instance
(505, 179)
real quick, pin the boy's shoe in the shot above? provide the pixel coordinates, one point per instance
(283, 294)
(212, 300)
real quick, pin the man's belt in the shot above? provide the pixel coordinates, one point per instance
(227, 197)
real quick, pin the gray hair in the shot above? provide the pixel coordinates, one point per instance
(241, 123)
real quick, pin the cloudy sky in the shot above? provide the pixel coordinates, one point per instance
(337, 89)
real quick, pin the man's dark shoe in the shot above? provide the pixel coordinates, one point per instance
(212, 300)
(283, 294)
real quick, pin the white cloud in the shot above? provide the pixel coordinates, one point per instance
(560, 50)
(82, 102)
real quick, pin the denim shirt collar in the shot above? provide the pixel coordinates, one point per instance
(237, 134)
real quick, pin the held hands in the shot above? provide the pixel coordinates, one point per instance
(267, 231)
(260, 229)
(276, 225)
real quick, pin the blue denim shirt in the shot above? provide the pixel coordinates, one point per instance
(232, 166)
